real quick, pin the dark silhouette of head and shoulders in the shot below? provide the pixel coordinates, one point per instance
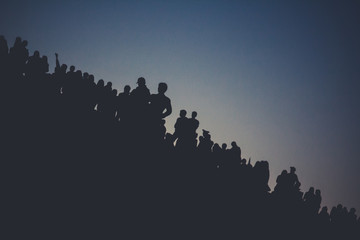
(159, 103)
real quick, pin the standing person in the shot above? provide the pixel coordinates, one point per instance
(141, 96)
(180, 129)
(123, 106)
(160, 104)
(193, 125)
(160, 108)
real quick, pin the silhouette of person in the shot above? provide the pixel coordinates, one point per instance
(160, 104)
(216, 150)
(317, 201)
(180, 129)
(205, 142)
(282, 183)
(44, 64)
(234, 151)
(89, 92)
(4, 49)
(309, 195)
(68, 88)
(123, 106)
(224, 148)
(193, 125)
(352, 216)
(57, 63)
(293, 179)
(324, 218)
(33, 66)
(100, 94)
(19, 55)
(60, 73)
(141, 95)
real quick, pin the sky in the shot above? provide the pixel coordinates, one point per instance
(281, 78)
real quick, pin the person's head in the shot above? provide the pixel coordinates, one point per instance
(37, 54)
(141, 81)
(17, 41)
(292, 169)
(182, 113)
(127, 89)
(101, 83)
(85, 75)
(63, 67)
(317, 192)
(284, 172)
(233, 144)
(91, 78)
(114, 92)
(206, 134)
(162, 87)
(193, 114)
(224, 146)
(72, 68)
(109, 84)
(24, 43)
(78, 74)
(324, 209)
(311, 190)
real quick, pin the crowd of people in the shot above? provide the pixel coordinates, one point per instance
(81, 151)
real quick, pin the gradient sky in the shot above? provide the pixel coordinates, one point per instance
(281, 78)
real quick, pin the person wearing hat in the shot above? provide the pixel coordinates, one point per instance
(141, 92)
(205, 142)
(140, 97)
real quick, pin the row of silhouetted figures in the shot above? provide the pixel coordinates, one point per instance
(83, 158)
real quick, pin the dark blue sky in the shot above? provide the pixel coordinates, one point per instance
(281, 78)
